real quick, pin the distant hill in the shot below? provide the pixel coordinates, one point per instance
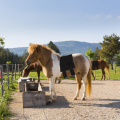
(70, 47)
(65, 47)
(18, 50)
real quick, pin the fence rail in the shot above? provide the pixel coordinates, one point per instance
(13, 71)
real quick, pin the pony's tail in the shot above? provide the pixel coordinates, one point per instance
(89, 80)
(107, 69)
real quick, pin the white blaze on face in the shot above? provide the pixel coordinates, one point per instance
(56, 66)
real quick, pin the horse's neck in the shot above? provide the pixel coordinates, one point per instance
(30, 68)
(45, 57)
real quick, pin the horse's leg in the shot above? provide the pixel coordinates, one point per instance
(93, 75)
(84, 85)
(78, 79)
(55, 80)
(38, 73)
(103, 74)
(59, 81)
(52, 90)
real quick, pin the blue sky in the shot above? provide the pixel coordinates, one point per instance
(40, 21)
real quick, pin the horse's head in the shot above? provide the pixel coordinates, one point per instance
(34, 51)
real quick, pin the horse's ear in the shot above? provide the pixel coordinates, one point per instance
(38, 48)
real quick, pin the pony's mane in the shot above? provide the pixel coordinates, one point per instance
(33, 47)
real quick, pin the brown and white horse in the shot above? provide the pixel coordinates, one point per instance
(101, 65)
(50, 62)
(34, 66)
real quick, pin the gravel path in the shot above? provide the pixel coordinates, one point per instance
(104, 103)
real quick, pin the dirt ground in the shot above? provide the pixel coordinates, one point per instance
(104, 103)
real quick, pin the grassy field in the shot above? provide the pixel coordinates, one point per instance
(113, 75)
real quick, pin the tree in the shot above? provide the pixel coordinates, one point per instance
(110, 47)
(89, 53)
(23, 57)
(2, 41)
(54, 47)
(96, 54)
(117, 59)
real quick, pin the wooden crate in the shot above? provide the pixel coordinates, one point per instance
(33, 98)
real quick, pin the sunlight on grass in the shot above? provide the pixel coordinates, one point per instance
(113, 75)
(34, 75)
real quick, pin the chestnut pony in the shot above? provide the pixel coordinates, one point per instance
(34, 66)
(50, 62)
(101, 65)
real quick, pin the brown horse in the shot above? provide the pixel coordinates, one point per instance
(50, 62)
(34, 66)
(100, 64)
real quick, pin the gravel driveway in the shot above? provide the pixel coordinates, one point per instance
(104, 103)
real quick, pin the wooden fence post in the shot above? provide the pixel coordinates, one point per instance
(15, 71)
(8, 75)
(12, 74)
(18, 71)
(115, 69)
(1, 69)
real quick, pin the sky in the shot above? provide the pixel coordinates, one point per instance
(40, 21)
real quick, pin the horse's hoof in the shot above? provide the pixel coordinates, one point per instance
(83, 99)
(74, 98)
(49, 102)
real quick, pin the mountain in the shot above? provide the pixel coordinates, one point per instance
(70, 47)
(18, 50)
(65, 47)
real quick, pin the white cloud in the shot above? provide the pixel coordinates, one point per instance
(118, 17)
(96, 16)
(109, 16)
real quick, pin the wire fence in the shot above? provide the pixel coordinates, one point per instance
(7, 71)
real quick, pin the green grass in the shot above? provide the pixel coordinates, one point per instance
(34, 75)
(113, 75)
(4, 101)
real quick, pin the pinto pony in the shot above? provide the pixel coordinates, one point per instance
(50, 62)
(101, 64)
(34, 66)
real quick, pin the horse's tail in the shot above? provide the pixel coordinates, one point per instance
(89, 80)
(107, 69)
